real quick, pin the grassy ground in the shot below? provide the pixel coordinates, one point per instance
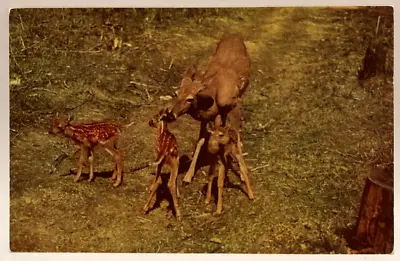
(311, 132)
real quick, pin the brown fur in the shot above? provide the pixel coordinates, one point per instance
(167, 152)
(88, 136)
(225, 141)
(218, 92)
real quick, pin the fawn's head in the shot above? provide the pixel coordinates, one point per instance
(164, 115)
(59, 124)
(218, 135)
(188, 90)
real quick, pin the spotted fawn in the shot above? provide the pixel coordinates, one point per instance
(167, 152)
(88, 136)
(225, 144)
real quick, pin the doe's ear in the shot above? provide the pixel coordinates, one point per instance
(204, 101)
(190, 72)
(185, 81)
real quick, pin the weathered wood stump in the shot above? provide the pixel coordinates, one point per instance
(374, 229)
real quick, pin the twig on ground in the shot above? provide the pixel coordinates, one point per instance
(259, 167)
(144, 219)
(144, 85)
(43, 89)
(77, 51)
(65, 84)
(22, 24)
(22, 42)
(171, 63)
(148, 95)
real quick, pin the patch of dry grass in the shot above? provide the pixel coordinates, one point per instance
(311, 132)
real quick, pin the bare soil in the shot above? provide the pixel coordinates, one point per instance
(311, 131)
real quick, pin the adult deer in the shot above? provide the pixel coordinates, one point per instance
(218, 92)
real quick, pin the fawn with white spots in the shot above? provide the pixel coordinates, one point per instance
(89, 136)
(167, 152)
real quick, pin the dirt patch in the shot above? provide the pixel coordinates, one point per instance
(311, 132)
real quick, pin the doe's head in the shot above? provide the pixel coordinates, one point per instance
(188, 90)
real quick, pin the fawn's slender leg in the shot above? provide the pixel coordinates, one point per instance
(109, 146)
(221, 177)
(82, 159)
(211, 176)
(244, 172)
(189, 175)
(172, 186)
(119, 163)
(157, 182)
(115, 171)
(90, 159)
(234, 170)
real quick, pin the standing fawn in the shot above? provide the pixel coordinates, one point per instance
(167, 152)
(218, 92)
(88, 136)
(225, 144)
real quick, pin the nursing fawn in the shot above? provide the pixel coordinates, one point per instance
(225, 144)
(218, 91)
(88, 136)
(167, 152)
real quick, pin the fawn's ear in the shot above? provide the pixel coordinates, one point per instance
(204, 101)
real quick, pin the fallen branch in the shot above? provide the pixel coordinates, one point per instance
(144, 85)
(43, 89)
(77, 51)
(259, 167)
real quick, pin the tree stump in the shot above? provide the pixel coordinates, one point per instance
(374, 229)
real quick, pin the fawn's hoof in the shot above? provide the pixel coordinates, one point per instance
(76, 179)
(116, 184)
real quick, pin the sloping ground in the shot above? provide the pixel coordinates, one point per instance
(311, 131)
